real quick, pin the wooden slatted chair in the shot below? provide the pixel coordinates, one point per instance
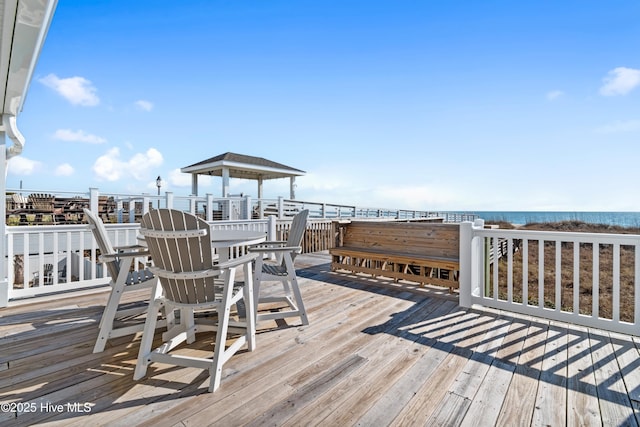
(19, 202)
(119, 262)
(193, 280)
(282, 271)
(47, 275)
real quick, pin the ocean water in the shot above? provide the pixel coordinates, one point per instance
(623, 219)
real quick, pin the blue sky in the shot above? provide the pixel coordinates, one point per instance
(457, 105)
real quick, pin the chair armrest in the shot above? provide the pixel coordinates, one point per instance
(271, 249)
(200, 274)
(263, 246)
(135, 247)
(133, 254)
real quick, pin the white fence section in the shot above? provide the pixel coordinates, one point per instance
(119, 208)
(57, 258)
(590, 279)
(52, 259)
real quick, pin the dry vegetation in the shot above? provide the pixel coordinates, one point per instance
(586, 271)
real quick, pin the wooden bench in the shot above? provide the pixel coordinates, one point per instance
(423, 252)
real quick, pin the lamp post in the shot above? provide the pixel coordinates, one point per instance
(158, 184)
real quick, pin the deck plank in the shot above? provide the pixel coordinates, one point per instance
(582, 401)
(485, 398)
(519, 403)
(551, 400)
(376, 352)
(615, 404)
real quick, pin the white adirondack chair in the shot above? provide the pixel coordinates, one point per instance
(282, 271)
(119, 262)
(192, 279)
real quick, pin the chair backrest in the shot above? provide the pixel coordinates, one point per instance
(181, 250)
(298, 227)
(19, 201)
(42, 202)
(104, 244)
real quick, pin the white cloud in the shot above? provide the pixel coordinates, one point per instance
(20, 165)
(144, 105)
(64, 169)
(620, 126)
(554, 94)
(180, 179)
(620, 81)
(76, 90)
(78, 136)
(110, 166)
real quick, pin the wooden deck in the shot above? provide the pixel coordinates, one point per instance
(375, 354)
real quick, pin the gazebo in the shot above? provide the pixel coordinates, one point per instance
(232, 165)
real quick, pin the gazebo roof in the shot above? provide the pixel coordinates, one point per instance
(242, 166)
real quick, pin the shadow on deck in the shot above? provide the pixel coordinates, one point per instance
(375, 353)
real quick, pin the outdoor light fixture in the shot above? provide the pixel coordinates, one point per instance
(158, 184)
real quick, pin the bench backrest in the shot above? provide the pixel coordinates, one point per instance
(419, 238)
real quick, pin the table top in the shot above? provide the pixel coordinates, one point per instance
(221, 238)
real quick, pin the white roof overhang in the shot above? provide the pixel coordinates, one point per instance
(23, 28)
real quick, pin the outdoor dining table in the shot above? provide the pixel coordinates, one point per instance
(225, 240)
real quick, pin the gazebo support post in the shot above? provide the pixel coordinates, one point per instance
(292, 188)
(225, 182)
(260, 210)
(194, 184)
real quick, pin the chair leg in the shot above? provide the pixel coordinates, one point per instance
(147, 339)
(250, 303)
(257, 280)
(298, 297)
(293, 280)
(188, 320)
(111, 309)
(224, 311)
(108, 317)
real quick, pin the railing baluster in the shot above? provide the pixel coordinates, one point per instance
(496, 242)
(595, 308)
(26, 270)
(636, 288)
(576, 277)
(525, 272)
(541, 273)
(510, 270)
(616, 282)
(40, 262)
(56, 259)
(9, 266)
(558, 281)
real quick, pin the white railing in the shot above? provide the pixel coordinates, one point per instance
(57, 258)
(51, 259)
(590, 279)
(123, 208)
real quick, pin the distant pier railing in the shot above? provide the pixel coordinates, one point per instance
(25, 207)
